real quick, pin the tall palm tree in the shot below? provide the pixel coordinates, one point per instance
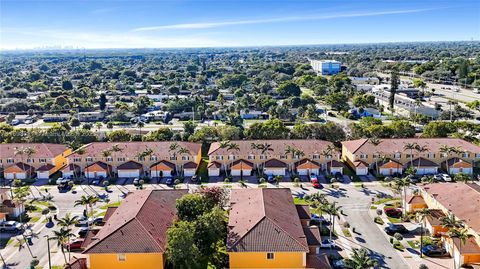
(450, 222)
(420, 149)
(140, 125)
(263, 148)
(20, 151)
(411, 147)
(403, 183)
(375, 141)
(422, 215)
(446, 149)
(462, 234)
(68, 221)
(62, 237)
(87, 201)
(172, 149)
(105, 154)
(233, 147)
(181, 152)
(360, 259)
(224, 145)
(147, 153)
(334, 211)
(29, 151)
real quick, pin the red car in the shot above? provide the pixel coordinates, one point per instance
(75, 245)
(393, 212)
(316, 184)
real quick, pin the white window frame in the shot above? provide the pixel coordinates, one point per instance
(185, 158)
(316, 156)
(10, 160)
(122, 257)
(251, 157)
(270, 256)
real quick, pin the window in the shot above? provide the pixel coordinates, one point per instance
(466, 155)
(77, 160)
(121, 159)
(263, 157)
(29, 160)
(141, 159)
(122, 257)
(282, 157)
(270, 256)
(407, 156)
(397, 155)
(109, 159)
(478, 155)
(173, 158)
(316, 156)
(443, 155)
(431, 155)
(218, 157)
(185, 158)
(153, 158)
(231, 157)
(89, 159)
(9, 160)
(42, 160)
(363, 156)
(252, 157)
(329, 157)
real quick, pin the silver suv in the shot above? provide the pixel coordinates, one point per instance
(10, 226)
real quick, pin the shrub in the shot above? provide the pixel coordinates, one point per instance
(379, 212)
(346, 225)
(423, 266)
(398, 236)
(226, 180)
(45, 211)
(378, 220)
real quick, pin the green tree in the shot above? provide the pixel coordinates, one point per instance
(119, 136)
(102, 101)
(161, 134)
(181, 250)
(288, 88)
(337, 100)
(394, 83)
(360, 259)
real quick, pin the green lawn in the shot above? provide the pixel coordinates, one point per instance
(110, 205)
(33, 219)
(385, 200)
(299, 201)
(394, 220)
(346, 233)
(415, 244)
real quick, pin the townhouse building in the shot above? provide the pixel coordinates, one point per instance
(275, 157)
(135, 233)
(27, 160)
(9, 207)
(134, 159)
(425, 155)
(463, 202)
(267, 230)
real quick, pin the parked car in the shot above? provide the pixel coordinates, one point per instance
(393, 212)
(10, 226)
(434, 251)
(313, 177)
(63, 184)
(14, 122)
(392, 229)
(83, 232)
(169, 181)
(438, 178)
(413, 179)
(327, 243)
(446, 178)
(83, 221)
(316, 184)
(75, 245)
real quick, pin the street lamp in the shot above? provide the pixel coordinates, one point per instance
(48, 249)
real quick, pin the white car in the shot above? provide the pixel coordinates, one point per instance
(10, 226)
(327, 243)
(446, 178)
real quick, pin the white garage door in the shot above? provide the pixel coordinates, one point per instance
(275, 171)
(9, 175)
(362, 171)
(337, 170)
(425, 171)
(246, 172)
(68, 174)
(189, 172)
(96, 174)
(128, 173)
(305, 172)
(214, 172)
(467, 171)
(43, 175)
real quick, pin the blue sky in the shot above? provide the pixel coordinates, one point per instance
(203, 23)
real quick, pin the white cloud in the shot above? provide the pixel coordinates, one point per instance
(205, 25)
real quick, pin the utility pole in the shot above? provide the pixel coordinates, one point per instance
(48, 249)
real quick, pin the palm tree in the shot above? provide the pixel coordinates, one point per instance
(411, 147)
(422, 215)
(264, 148)
(22, 243)
(450, 222)
(233, 146)
(402, 184)
(333, 210)
(21, 152)
(68, 221)
(223, 145)
(87, 201)
(375, 141)
(445, 149)
(462, 234)
(359, 259)
(172, 149)
(144, 154)
(420, 149)
(29, 151)
(105, 154)
(182, 151)
(140, 125)
(62, 237)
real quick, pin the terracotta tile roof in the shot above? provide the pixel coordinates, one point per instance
(264, 220)
(131, 149)
(462, 199)
(130, 165)
(274, 163)
(71, 167)
(435, 216)
(470, 246)
(456, 162)
(312, 234)
(109, 212)
(303, 212)
(334, 163)
(102, 165)
(140, 223)
(422, 162)
(163, 165)
(397, 145)
(307, 164)
(214, 164)
(390, 163)
(241, 164)
(318, 262)
(416, 199)
(190, 165)
(42, 150)
(308, 146)
(23, 167)
(46, 167)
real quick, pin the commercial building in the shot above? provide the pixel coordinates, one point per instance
(326, 67)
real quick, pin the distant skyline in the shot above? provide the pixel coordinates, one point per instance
(202, 23)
